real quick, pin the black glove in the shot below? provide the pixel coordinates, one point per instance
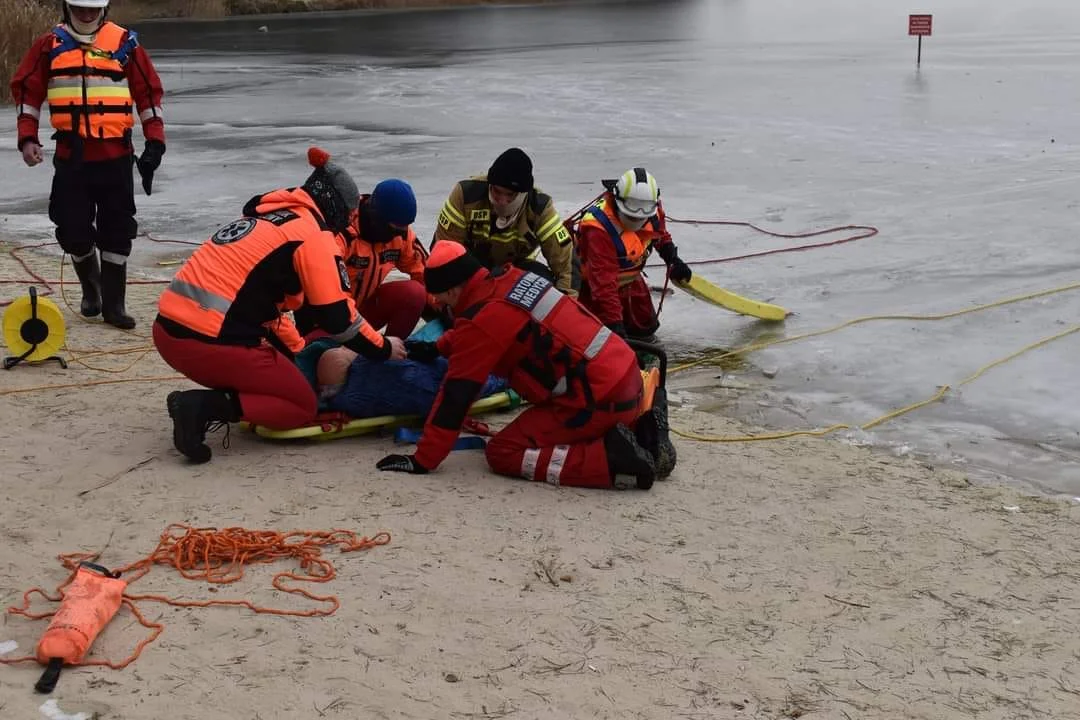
(680, 271)
(401, 463)
(149, 162)
(425, 352)
(618, 328)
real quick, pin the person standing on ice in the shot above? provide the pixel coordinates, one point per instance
(614, 240)
(93, 74)
(501, 218)
(581, 380)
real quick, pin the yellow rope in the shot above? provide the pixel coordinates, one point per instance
(144, 350)
(868, 318)
(893, 413)
(88, 383)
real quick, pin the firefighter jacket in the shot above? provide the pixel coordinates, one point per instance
(467, 218)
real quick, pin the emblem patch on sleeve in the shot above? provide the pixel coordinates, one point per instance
(234, 231)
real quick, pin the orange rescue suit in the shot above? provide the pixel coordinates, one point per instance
(517, 325)
(369, 263)
(233, 289)
(632, 247)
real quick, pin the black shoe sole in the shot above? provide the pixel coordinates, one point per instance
(622, 447)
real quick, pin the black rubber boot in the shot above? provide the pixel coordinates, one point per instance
(89, 273)
(113, 291)
(630, 464)
(193, 413)
(653, 433)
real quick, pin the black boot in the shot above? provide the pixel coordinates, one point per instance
(89, 273)
(193, 413)
(630, 464)
(652, 433)
(113, 290)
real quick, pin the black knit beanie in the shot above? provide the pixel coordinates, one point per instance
(512, 170)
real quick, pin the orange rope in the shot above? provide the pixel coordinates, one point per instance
(217, 556)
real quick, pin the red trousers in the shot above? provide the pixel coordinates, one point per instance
(397, 305)
(271, 389)
(539, 446)
(638, 313)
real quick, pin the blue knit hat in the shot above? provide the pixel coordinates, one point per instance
(393, 200)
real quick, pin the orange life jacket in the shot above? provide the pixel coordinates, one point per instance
(368, 264)
(88, 90)
(632, 247)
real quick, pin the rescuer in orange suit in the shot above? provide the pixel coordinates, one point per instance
(220, 320)
(94, 75)
(614, 240)
(379, 240)
(581, 379)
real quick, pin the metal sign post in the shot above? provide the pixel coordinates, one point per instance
(920, 25)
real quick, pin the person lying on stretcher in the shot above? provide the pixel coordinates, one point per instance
(347, 382)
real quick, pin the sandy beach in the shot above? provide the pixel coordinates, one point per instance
(789, 579)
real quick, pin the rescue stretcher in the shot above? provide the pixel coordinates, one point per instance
(335, 425)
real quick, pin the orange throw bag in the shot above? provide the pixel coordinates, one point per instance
(90, 602)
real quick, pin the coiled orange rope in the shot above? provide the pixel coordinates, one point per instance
(219, 557)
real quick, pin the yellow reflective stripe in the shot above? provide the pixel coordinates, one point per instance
(110, 92)
(549, 228)
(96, 92)
(453, 214)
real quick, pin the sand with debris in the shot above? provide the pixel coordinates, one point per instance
(788, 579)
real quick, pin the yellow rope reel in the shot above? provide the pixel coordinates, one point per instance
(33, 330)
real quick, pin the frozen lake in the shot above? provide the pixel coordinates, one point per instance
(770, 111)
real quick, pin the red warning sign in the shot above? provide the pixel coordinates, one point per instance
(920, 24)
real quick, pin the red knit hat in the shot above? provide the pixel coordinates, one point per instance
(448, 266)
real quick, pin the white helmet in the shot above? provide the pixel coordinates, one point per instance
(637, 194)
(88, 3)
